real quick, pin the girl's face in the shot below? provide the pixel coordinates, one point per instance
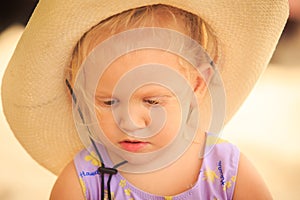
(141, 101)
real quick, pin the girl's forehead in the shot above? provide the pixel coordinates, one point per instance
(135, 59)
(140, 57)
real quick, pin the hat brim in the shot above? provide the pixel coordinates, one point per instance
(34, 96)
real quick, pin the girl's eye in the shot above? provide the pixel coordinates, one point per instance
(110, 102)
(154, 101)
(107, 102)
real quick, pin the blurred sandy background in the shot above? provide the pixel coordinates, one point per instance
(266, 128)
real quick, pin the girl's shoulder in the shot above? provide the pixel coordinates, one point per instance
(67, 185)
(71, 184)
(249, 183)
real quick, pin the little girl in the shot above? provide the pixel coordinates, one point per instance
(151, 84)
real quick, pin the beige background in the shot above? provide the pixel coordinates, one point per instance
(266, 129)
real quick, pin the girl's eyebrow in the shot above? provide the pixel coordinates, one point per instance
(157, 93)
(102, 94)
(158, 96)
(103, 91)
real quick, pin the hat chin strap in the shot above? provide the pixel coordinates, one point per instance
(106, 170)
(102, 169)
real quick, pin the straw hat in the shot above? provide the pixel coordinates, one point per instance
(34, 95)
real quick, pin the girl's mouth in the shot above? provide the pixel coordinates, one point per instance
(133, 145)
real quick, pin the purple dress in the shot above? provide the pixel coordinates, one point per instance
(216, 179)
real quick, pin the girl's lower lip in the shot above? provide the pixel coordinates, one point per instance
(133, 146)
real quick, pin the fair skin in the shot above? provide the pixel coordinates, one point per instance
(142, 100)
(249, 184)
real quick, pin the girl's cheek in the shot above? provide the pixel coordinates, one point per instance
(105, 117)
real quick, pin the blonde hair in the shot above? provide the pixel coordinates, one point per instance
(148, 16)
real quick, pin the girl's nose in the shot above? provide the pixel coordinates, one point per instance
(134, 118)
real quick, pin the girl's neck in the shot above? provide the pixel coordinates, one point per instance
(174, 179)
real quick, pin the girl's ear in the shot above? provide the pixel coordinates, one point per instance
(201, 82)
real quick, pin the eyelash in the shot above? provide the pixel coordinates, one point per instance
(152, 101)
(108, 102)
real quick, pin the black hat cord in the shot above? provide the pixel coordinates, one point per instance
(102, 169)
